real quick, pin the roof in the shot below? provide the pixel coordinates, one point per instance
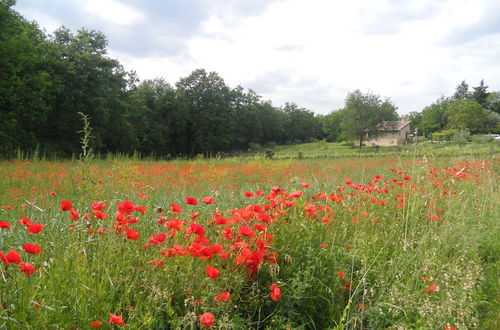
(393, 125)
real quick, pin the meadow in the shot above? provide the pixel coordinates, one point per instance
(323, 243)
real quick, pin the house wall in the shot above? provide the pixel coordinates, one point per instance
(390, 138)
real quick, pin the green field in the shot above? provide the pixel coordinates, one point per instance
(385, 241)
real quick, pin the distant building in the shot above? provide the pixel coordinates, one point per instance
(391, 133)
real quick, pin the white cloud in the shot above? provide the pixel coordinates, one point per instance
(43, 20)
(113, 12)
(309, 52)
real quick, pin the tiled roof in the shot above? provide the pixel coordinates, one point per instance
(393, 125)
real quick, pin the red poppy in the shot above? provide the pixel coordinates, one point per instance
(66, 205)
(275, 292)
(13, 257)
(116, 319)
(4, 259)
(212, 272)
(223, 297)
(433, 287)
(132, 234)
(207, 319)
(207, 200)
(35, 228)
(191, 201)
(248, 194)
(157, 263)
(157, 239)
(4, 224)
(127, 207)
(27, 268)
(100, 215)
(196, 228)
(341, 275)
(32, 248)
(304, 185)
(74, 215)
(96, 324)
(98, 206)
(25, 221)
(175, 208)
(246, 231)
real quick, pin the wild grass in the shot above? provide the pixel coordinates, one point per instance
(392, 242)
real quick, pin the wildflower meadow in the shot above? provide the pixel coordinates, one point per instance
(257, 244)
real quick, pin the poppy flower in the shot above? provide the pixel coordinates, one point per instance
(116, 319)
(212, 272)
(35, 228)
(157, 239)
(196, 228)
(433, 287)
(95, 324)
(127, 207)
(32, 248)
(191, 201)
(4, 224)
(3, 258)
(275, 292)
(207, 200)
(25, 221)
(304, 185)
(246, 231)
(207, 319)
(73, 215)
(66, 205)
(132, 234)
(175, 208)
(98, 206)
(13, 257)
(27, 268)
(100, 215)
(223, 297)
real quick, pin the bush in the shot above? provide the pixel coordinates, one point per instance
(482, 138)
(444, 135)
(461, 137)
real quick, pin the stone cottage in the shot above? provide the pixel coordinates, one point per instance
(391, 133)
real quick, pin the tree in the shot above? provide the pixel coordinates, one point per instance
(27, 87)
(415, 118)
(433, 116)
(466, 114)
(331, 125)
(300, 124)
(493, 102)
(480, 95)
(462, 91)
(210, 122)
(362, 114)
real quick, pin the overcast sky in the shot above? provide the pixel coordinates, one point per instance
(311, 52)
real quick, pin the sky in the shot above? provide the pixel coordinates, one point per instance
(311, 52)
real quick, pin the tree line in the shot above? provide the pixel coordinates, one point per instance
(48, 80)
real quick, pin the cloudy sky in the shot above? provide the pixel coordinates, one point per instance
(311, 52)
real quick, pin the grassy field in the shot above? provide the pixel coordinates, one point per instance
(319, 243)
(323, 149)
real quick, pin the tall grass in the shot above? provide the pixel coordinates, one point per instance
(354, 251)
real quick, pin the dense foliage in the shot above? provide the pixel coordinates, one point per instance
(46, 80)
